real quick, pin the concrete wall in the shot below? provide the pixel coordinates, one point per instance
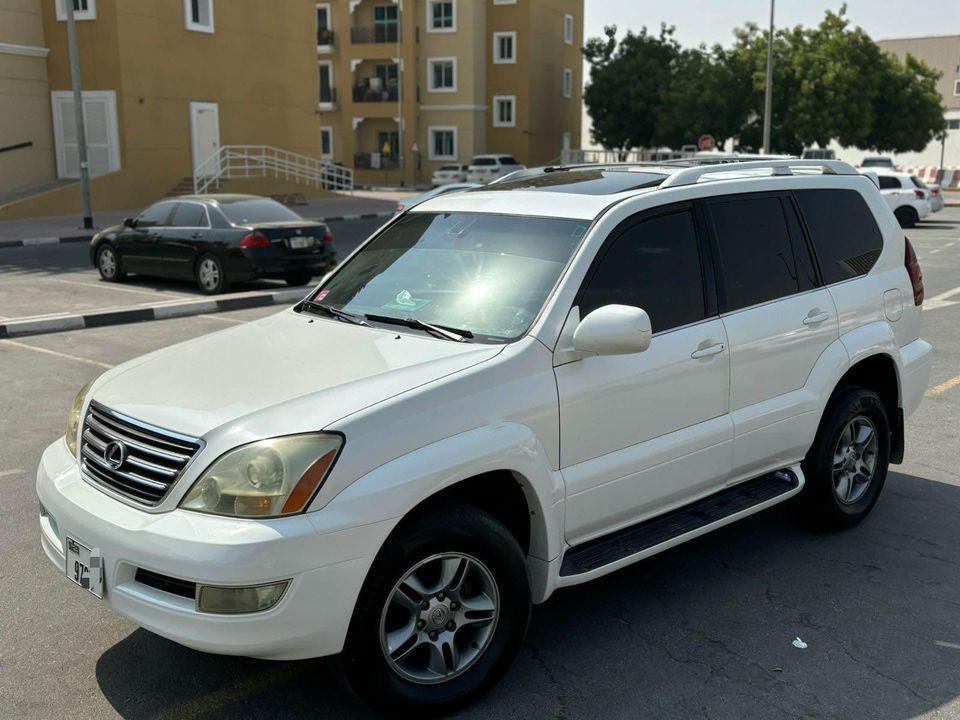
(24, 97)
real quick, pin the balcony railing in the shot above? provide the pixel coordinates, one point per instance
(371, 161)
(324, 37)
(375, 34)
(365, 93)
(328, 95)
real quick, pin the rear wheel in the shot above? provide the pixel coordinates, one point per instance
(907, 216)
(847, 465)
(299, 278)
(441, 615)
(210, 274)
(108, 264)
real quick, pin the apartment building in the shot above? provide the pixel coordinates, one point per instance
(165, 84)
(405, 86)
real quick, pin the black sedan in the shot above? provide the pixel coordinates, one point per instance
(215, 240)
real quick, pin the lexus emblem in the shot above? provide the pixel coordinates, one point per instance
(114, 454)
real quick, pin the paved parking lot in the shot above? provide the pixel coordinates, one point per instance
(704, 630)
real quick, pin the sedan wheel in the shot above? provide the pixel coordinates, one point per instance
(211, 277)
(108, 264)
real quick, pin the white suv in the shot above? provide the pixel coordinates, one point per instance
(501, 393)
(905, 194)
(486, 168)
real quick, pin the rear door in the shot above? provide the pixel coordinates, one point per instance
(778, 320)
(183, 242)
(892, 190)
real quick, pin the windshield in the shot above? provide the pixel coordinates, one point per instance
(876, 162)
(484, 161)
(258, 210)
(487, 274)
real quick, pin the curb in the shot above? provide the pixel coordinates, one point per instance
(364, 216)
(45, 241)
(162, 311)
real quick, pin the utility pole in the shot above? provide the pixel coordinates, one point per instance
(768, 95)
(400, 89)
(78, 116)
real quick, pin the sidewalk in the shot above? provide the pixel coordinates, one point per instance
(69, 228)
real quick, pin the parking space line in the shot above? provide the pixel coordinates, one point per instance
(943, 387)
(66, 356)
(108, 286)
(945, 644)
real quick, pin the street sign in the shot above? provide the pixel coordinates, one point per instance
(706, 142)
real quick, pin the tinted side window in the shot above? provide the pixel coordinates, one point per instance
(654, 265)
(189, 215)
(756, 260)
(507, 160)
(844, 232)
(888, 182)
(155, 215)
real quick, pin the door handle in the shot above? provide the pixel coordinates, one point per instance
(708, 351)
(197, 236)
(154, 238)
(816, 318)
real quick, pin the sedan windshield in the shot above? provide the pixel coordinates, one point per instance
(488, 275)
(258, 210)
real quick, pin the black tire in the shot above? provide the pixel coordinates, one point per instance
(821, 495)
(109, 264)
(297, 279)
(458, 529)
(907, 217)
(210, 274)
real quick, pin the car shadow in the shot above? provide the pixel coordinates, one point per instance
(935, 225)
(706, 629)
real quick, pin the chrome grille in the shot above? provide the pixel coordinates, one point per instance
(136, 460)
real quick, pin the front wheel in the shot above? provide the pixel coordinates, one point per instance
(847, 465)
(108, 264)
(441, 615)
(211, 276)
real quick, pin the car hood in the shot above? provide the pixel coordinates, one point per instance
(327, 369)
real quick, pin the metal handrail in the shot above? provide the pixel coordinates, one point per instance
(245, 161)
(691, 175)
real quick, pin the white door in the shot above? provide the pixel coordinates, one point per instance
(642, 433)
(205, 131)
(100, 124)
(778, 323)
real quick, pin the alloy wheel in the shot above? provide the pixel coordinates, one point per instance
(209, 273)
(855, 460)
(439, 619)
(108, 263)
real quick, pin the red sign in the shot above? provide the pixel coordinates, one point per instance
(706, 142)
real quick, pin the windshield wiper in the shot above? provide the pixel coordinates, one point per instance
(334, 312)
(455, 334)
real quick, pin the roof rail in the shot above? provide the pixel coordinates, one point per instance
(690, 176)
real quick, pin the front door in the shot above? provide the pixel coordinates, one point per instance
(140, 246)
(205, 131)
(181, 243)
(642, 433)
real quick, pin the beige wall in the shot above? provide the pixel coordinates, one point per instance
(941, 53)
(24, 97)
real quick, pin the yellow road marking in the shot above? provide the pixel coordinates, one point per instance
(56, 354)
(943, 387)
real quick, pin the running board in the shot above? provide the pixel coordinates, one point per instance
(660, 533)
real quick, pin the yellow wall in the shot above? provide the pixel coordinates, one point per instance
(24, 98)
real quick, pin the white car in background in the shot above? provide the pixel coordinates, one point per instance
(934, 193)
(486, 168)
(429, 194)
(904, 194)
(447, 174)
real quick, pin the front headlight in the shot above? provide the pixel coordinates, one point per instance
(73, 421)
(268, 478)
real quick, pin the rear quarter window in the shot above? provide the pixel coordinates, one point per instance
(843, 230)
(888, 182)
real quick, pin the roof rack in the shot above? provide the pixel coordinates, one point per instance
(690, 176)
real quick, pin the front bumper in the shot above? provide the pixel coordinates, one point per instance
(326, 568)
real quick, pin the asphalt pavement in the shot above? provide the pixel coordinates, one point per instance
(705, 630)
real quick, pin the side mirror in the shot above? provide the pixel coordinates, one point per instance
(129, 222)
(614, 330)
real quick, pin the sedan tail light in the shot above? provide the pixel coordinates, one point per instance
(328, 237)
(920, 194)
(255, 240)
(935, 191)
(915, 273)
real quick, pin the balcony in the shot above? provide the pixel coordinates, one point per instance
(374, 161)
(376, 34)
(325, 39)
(368, 94)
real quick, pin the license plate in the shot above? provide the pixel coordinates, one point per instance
(298, 243)
(85, 567)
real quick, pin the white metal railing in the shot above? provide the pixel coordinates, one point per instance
(247, 161)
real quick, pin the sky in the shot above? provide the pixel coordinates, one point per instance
(712, 21)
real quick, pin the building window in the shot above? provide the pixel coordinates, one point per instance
(82, 9)
(567, 82)
(325, 77)
(504, 110)
(386, 23)
(568, 29)
(199, 15)
(504, 48)
(388, 144)
(442, 16)
(953, 124)
(324, 32)
(443, 143)
(326, 142)
(504, 2)
(442, 74)
(956, 87)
